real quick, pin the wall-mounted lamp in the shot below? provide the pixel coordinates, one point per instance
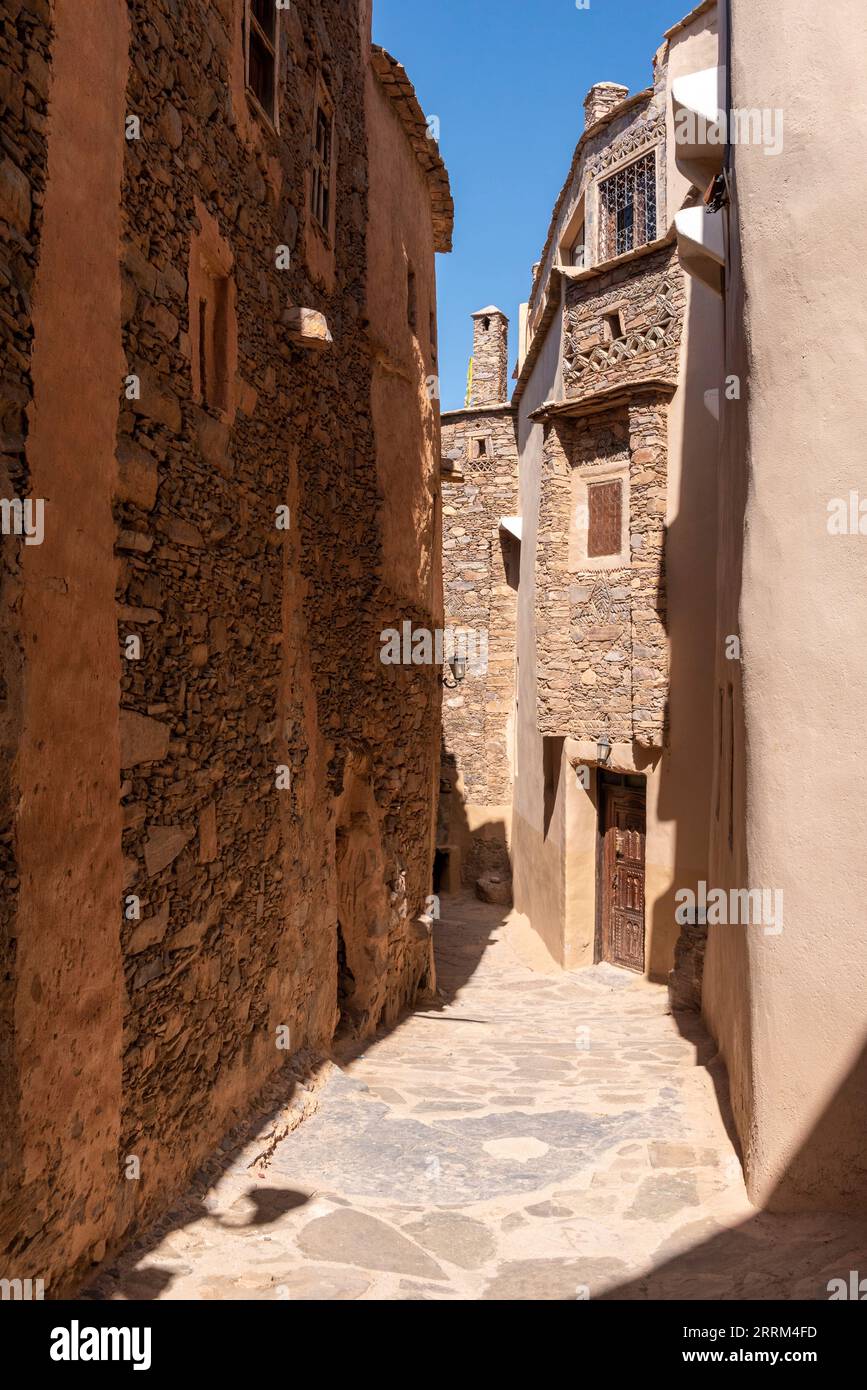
(603, 750)
(458, 667)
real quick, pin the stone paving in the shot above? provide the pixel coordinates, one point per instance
(525, 1135)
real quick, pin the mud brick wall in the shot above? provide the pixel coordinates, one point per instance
(603, 653)
(480, 577)
(257, 651)
(228, 906)
(25, 42)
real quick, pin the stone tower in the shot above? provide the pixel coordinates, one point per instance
(489, 384)
(481, 561)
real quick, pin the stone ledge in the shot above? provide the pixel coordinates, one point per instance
(308, 328)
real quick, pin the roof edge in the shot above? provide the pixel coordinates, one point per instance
(397, 86)
(704, 8)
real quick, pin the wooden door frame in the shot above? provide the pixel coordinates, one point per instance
(605, 782)
(600, 856)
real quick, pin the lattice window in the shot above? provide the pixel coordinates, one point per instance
(627, 208)
(605, 515)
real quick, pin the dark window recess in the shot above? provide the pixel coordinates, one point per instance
(552, 757)
(627, 203)
(321, 181)
(605, 509)
(411, 301)
(612, 327)
(731, 768)
(262, 55)
(265, 14)
(203, 348)
(214, 344)
(719, 753)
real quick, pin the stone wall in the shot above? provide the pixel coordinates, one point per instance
(601, 100)
(602, 650)
(25, 42)
(490, 370)
(276, 777)
(648, 295)
(602, 647)
(480, 576)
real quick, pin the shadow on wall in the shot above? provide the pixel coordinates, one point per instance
(459, 949)
(790, 1249)
(687, 767)
(465, 852)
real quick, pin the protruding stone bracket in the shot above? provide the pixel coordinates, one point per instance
(307, 328)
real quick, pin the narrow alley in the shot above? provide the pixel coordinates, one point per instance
(525, 1135)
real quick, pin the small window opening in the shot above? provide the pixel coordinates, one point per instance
(576, 250)
(731, 703)
(320, 195)
(612, 326)
(203, 344)
(486, 323)
(719, 752)
(213, 344)
(262, 54)
(411, 300)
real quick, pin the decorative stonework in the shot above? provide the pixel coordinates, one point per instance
(664, 333)
(602, 645)
(648, 295)
(635, 141)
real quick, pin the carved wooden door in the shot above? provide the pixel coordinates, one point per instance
(623, 878)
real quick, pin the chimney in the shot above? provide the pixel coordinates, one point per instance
(602, 98)
(490, 357)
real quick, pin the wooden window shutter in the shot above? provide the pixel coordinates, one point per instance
(605, 515)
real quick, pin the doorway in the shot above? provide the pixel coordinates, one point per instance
(620, 870)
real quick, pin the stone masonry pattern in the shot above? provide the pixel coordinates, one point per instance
(25, 40)
(259, 646)
(603, 658)
(603, 655)
(649, 296)
(206, 582)
(477, 558)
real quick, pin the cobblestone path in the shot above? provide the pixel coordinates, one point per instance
(528, 1136)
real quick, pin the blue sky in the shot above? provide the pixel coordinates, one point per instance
(507, 79)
